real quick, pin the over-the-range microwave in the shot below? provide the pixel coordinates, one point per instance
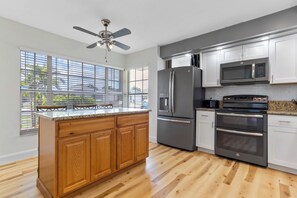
(245, 72)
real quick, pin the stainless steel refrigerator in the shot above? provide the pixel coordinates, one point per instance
(179, 93)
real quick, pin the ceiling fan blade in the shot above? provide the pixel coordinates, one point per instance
(99, 43)
(85, 31)
(121, 45)
(120, 33)
(92, 45)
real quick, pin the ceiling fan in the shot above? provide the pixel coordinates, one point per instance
(107, 36)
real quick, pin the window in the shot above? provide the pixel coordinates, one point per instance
(49, 80)
(138, 88)
(34, 84)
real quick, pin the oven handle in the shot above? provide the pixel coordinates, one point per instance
(241, 115)
(240, 132)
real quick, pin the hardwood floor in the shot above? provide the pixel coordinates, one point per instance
(167, 173)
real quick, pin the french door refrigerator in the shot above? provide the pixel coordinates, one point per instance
(179, 93)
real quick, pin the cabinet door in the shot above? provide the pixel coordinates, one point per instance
(102, 154)
(232, 54)
(211, 69)
(205, 130)
(255, 50)
(282, 146)
(141, 141)
(283, 61)
(74, 163)
(125, 146)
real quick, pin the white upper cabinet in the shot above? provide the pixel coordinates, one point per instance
(245, 52)
(231, 54)
(283, 60)
(255, 50)
(211, 69)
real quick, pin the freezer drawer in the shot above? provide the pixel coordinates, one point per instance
(177, 132)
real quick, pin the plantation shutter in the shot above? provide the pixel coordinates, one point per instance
(50, 80)
(34, 85)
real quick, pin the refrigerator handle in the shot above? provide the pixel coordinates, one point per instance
(169, 92)
(172, 91)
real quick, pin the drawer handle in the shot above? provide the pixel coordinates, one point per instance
(204, 115)
(283, 121)
(71, 133)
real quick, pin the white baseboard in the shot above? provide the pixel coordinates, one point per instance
(6, 159)
(153, 139)
(206, 150)
(282, 168)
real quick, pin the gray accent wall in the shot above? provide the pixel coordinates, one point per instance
(274, 22)
(274, 92)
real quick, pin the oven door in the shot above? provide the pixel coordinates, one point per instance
(242, 145)
(242, 121)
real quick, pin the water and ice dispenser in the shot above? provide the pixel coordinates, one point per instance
(164, 102)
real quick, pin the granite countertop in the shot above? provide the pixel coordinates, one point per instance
(288, 113)
(75, 114)
(288, 108)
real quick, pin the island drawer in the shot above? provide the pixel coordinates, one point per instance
(76, 127)
(128, 120)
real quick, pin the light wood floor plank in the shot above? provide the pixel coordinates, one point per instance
(167, 173)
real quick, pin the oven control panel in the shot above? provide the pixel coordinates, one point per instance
(246, 98)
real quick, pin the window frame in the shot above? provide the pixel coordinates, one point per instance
(142, 93)
(50, 93)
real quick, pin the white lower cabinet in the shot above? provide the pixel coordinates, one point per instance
(205, 130)
(282, 141)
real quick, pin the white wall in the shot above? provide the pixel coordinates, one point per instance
(13, 37)
(151, 59)
(274, 92)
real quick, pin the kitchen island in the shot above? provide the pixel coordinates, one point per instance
(81, 148)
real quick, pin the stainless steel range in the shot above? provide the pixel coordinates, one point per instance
(241, 128)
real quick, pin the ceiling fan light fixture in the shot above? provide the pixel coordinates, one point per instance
(109, 46)
(107, 36)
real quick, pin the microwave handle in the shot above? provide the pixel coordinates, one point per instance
(253, 70)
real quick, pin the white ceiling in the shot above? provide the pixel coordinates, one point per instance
(152, 22)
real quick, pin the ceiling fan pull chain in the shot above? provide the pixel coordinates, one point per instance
(105, 55)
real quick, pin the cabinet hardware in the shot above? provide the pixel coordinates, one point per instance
(284, 121)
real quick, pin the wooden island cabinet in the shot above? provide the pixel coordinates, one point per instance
(75, 152)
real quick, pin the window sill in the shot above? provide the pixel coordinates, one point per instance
(29, 132)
